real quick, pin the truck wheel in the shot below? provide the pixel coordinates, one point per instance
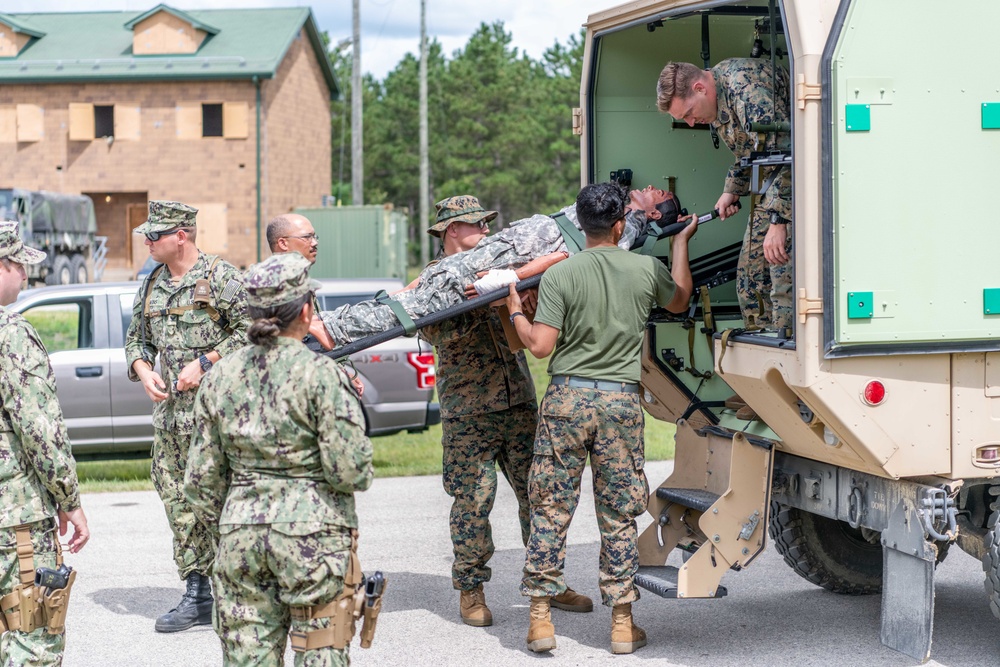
(991, 562)
(61, 273)
(78, 269)
(827, 552)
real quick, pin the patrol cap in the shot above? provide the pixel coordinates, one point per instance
(12, 248)
(165, 215)
(278, 279)
(464, 208)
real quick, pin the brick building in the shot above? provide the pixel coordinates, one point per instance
(227, 110)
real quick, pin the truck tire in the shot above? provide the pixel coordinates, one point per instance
(991, 562)
(61, 273)
(827, 552)
(78, 268)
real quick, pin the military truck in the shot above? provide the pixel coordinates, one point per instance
(63, 225)
(878, 443)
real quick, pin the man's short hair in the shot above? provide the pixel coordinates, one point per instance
(278, 228)
(675, 81)
(599, 206)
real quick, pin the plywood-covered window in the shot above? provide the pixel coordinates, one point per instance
(8, 125)
(30, 122)
(213, 228)
(95, 121)
(213, 119)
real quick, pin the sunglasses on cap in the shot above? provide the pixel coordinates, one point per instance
(156, 236)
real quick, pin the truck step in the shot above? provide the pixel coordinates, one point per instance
(696, 499)
(662, 580)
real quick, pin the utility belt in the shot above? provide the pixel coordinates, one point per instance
(42, 597)
(362, 598)
(600, 385)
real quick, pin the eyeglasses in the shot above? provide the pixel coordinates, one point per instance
(304, 237)
(156, 236)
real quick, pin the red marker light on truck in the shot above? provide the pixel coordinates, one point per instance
(874, 393)
(424, 363)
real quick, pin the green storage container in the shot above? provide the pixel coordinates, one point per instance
(359, 241)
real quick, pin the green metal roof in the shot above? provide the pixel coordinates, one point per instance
(97, 46)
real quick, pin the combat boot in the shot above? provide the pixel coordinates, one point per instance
(570, 600)
(541, 632)
(195, 607)
(626, 636)
(472, 605)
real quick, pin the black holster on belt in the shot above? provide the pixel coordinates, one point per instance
(361, 599)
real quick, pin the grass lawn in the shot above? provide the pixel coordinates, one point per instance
(397, 455)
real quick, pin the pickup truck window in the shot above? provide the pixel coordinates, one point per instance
(126, 301)
(64, 325)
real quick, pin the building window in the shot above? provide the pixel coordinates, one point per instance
(104, 121)
(211, 120)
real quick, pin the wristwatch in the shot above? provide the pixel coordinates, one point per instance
(206, 363)
(513, 315)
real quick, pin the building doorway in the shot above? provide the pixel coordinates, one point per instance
(118, 213)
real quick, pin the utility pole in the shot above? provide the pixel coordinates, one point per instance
(425, 240)
(357, 121)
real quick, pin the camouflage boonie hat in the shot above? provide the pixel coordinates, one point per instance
(12, 248)
(278, 279)
(165, 215)
(464, 208)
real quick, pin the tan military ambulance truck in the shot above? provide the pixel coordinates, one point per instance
(878, 443)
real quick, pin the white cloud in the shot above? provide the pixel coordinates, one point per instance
(390, 28)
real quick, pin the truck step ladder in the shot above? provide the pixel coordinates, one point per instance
(714, 507)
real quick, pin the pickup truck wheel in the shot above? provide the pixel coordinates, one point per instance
(78, 269)
(827, 552)
(991, 562)
(61, 273)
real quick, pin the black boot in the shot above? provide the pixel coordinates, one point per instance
(195, 607)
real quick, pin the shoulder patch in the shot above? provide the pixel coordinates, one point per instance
(230, 290)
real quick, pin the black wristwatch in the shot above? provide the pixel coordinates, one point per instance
(778, 220)
(513, 315)
(206, 363)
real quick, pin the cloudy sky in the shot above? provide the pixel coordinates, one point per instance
(390, 28)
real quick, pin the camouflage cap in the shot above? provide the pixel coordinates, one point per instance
(464, 208)
(12, 248)
(278, 279)
(165, 215)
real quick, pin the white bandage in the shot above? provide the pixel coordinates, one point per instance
(494, 280)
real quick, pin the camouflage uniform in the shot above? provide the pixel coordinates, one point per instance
(443, 284)
(743, 90)
(37, 471)
(278, 453)
(180, 339)
(488, 417)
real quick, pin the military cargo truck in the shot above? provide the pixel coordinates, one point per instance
(878, 443)
(62, 225)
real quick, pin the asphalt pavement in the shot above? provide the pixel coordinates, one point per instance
(771, 616)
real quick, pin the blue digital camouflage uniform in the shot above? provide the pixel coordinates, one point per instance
(443, 283)
(279, 450)
(37, 474)
(488, 418)
(743, 89)
(179, 339)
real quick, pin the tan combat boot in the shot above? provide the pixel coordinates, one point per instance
(472, 605)
(570, 600)
(626, 636)
(541, 632)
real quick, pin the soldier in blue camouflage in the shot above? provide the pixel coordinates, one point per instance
(731, 94)
(38, 480)
(191, 312)
(528, 245)
(592, 312)
(278, 452)
(488, 420)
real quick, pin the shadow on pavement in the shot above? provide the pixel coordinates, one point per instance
(139, 601)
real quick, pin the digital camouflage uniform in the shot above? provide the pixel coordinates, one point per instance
(37, 471)
(279, 450)
(488, 417)
(179, 339)
(443, 283)
(743, 89)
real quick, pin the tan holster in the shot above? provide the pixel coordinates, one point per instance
(29, 607)
(344, 611)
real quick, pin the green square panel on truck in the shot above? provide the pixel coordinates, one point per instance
(858, 117)
(859, 305)
(991, 301)
(991, 115)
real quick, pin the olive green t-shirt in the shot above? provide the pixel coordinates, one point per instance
(599, 299)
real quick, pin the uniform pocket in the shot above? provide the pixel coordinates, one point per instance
(197, 330)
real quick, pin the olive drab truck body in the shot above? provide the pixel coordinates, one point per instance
(878, 443)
